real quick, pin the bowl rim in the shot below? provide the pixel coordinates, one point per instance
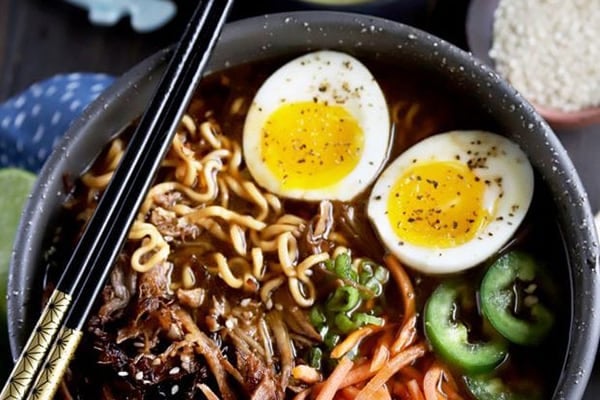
(560, 176)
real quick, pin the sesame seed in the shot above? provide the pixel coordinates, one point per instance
(174, 371)
(245, 302)
(543, 36)
(174, 390)
(123, 373)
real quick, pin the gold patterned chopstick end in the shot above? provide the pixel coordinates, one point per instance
(51, 376)
(20, 380)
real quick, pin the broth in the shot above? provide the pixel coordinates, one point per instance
(420, 106)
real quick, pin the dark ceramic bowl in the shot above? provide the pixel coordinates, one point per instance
(287, 34)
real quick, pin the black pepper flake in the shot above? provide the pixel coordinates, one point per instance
(454, 224)
(301, 161)
(411, 220)
(378, 197)
(433, 183)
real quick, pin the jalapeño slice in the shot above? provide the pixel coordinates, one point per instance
(449, 336)
(494, 388)
(509, 299)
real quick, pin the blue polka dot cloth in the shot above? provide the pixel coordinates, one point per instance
(32, 122)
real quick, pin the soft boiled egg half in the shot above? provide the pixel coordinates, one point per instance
(318, 128)
(452, 200)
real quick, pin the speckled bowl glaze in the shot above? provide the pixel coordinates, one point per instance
(287, 34)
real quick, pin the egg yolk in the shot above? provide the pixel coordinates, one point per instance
(309, 145)
(437, 204)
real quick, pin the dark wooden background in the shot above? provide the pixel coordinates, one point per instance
(40, 38)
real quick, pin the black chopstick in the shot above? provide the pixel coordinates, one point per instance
(55, 337)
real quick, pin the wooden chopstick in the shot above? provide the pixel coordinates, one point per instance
(54, 339)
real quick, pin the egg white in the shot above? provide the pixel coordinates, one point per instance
(349, 84)
(508, 200)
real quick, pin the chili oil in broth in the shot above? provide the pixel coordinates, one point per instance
(420, 105)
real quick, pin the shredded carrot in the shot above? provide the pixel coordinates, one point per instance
(438, 384)
(303, 394)
(382, 350)
(353, 339)
(399, 389)
(403, 281)
(431, 382)
(414, 390)
(350, 392)
(412, 373)
(394, 365)
(380, 357)
(407, 335)
(334, 381)
(358, 374)
(382, 393)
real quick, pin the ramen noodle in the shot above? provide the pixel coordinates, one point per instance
(226, 289)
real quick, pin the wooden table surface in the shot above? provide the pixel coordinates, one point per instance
(40, 38)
